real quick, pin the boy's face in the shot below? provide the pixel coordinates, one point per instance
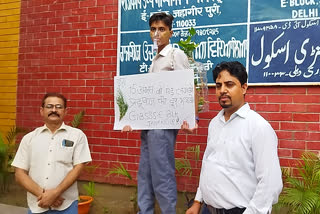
(161, 32)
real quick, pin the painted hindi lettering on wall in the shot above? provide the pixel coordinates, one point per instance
(277, 40)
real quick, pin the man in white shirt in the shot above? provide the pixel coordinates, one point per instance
(240, 168)
(50, 159)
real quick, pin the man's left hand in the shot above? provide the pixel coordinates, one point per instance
(48, 198)
(185, 127)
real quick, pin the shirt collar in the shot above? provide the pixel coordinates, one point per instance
(166, 50)
(241, 112)
(45, 128)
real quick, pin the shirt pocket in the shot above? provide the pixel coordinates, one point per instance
(64, 155)
(227, 153)
(236, 153)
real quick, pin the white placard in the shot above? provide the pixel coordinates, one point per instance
(160, 100)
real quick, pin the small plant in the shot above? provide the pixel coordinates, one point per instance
(106, 210)
(8, 148)
(121, 170)
(202, 102)
(183, 165)
(184, 168)
(90, 186)
(187, 45)
(4, 180)
(123, 106)
(301, 193)
(85, 201)
(200, 73)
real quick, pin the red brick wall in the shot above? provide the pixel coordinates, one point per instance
(70, 46)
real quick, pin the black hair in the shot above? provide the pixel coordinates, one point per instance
(235, 69)
(54, 94)
(162, 16)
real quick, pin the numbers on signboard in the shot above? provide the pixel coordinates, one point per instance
(186, 23)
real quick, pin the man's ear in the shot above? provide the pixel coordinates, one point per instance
(244, 88)
(171, 33)
(41, 111)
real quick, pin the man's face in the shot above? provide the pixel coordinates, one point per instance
(230, 92)
(160, 30)
(53, 111)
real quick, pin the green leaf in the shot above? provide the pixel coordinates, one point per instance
(183, 167)
(90, 188)
(120, 170)
(13, 132)
(193, 152)
(3, 152)
(187, 45)
(77, 119)
(192, 31)
(123, 106)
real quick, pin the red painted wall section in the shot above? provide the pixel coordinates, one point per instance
(70, 46)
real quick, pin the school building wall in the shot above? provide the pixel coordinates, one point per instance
(70, 46)
(9, 43)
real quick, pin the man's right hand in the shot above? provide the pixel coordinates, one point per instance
(126, 128)
(58, 202)
(194, 209)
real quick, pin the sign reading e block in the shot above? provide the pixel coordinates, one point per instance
(160, 100)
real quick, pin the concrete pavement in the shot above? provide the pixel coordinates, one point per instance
(9, 209)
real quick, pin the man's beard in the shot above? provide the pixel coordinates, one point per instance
(225, 105)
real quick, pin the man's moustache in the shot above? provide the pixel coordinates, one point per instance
(55, 113)
(224, 95)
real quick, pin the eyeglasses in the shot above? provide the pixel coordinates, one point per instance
(57, 106)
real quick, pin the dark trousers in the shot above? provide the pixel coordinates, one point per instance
(156, 175)
(235, 210)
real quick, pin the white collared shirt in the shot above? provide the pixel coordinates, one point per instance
(169, 59)
(240, 167)
(48, 160)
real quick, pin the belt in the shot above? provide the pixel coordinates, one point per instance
(235, 210)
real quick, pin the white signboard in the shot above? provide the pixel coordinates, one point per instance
(160, 100)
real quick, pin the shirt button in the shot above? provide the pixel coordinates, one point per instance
(49, 164)
(52, 138)
(50, 150)
(47, 178)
